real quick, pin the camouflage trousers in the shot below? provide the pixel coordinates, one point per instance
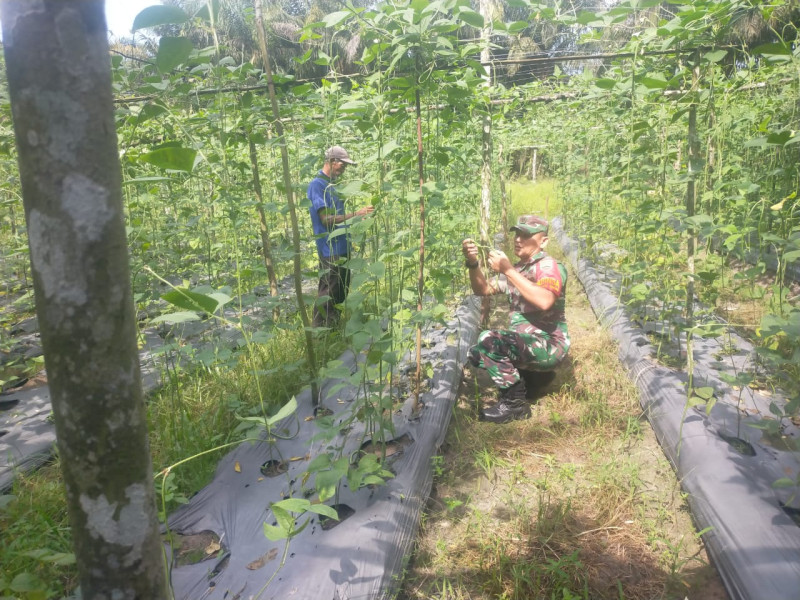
(502, 352)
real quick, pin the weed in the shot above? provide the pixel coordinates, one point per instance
(487, 461)
(35, 529)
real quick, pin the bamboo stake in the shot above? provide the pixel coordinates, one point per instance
(503, 194)
(421, 278)
(264, 229)
(287, 183)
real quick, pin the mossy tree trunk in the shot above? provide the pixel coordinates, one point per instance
(59, 80)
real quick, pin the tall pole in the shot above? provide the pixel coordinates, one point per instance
(421, 275)
(287, 184)
(486, 8)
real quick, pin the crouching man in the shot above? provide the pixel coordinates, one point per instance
(537, 339)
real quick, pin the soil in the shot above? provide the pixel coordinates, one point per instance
(192, 549)
(580, 497)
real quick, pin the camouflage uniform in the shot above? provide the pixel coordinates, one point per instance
(537, 340)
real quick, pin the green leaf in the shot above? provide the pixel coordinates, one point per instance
(354, 106)
(302, 89)
(150, 111)
(324, 509)
(320, 462)
(172, 51)
(587, 18)
(792, 256)
(706, 393)
(26, 582)
(389, 147)
(709, 329)
(759, 142)
(780, 138)
(287, 410)
(295, 505)
(741, 379)
(189, 300)
(715, 56)
(153, 16)
(695, 401)
(283, 517)
(784, 482)
(222, 299)
(274, 534)
(378, 269)
(639, 291)
(173, 158)
(348, 189)
(335, 18)
(177, 317)
(48, 556)
(605, 83)
(373, 480)
(657, 82)
(678, 114)
(326, 482)
(470, 17)
(777, 52)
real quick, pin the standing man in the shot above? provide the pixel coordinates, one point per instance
(538, 338)
(328, 217)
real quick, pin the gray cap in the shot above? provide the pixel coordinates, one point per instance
(338, 153)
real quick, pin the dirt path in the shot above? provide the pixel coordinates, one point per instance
(577, 502)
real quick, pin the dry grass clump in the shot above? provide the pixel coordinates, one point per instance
(577, 502)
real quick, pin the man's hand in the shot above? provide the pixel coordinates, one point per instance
(470, 251)
(498, 261)
(362, 212)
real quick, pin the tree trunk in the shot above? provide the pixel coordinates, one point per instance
(287, 183)
(59, 80)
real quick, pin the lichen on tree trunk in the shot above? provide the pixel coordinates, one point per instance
(59, 80)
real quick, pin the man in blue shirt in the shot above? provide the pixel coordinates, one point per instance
(329, 217)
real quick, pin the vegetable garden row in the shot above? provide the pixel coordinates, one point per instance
(676, 156)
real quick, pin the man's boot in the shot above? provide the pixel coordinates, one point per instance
(511, 406)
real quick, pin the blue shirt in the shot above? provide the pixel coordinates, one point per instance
(323, 196)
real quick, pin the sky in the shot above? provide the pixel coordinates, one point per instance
(121, 13)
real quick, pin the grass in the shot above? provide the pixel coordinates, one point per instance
(577, 502)
(34, 519)
(541, 198)
(193, 412)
